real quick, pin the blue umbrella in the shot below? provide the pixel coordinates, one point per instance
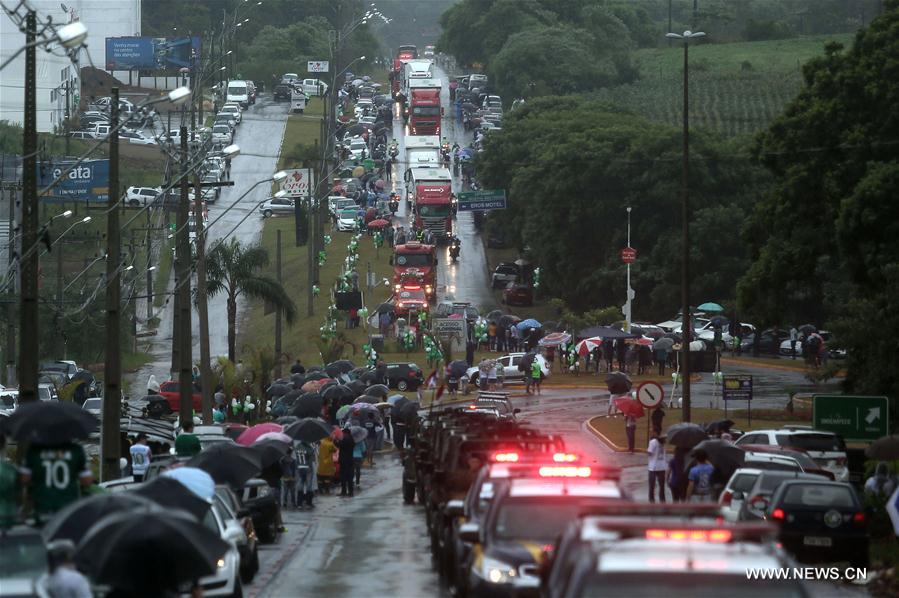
(393, 399)
(710, 307)
(529, 323)
(196, 480)
(466, 152)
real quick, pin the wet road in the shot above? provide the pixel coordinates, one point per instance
(259, 137)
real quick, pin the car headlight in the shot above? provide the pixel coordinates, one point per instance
(496, 571)
(221, 563)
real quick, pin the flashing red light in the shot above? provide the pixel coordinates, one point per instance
(565, 458)
(564, 471)
(716, 536)
(778, 514)
(411, 288)
(858, 518)
(504, 457)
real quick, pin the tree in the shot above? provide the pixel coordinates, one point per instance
(823, 242)
(234, 269)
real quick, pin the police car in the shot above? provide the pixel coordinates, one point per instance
(525, 518)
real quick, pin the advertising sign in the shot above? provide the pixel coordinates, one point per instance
(298, 182)
(317, 66)
(852, 417)
(485, 199)
(628, 255)
(737, 388)
(87, 182)
(151, 53)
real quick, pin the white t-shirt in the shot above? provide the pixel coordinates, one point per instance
(656, 456)
(140, 458)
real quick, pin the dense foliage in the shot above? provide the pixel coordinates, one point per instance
(571, 166)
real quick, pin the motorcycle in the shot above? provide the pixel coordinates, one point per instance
(454, 250)
(394, 151)
(394, 203)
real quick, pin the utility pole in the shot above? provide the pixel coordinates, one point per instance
(112, 373)
(28, 314)
(60, 343)
(686, 319)
(182, 284)
(278, 310)
(11, 305)
(628, 316)
(202, 305)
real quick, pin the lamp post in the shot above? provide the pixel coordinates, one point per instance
(630, 292)
(686, 318)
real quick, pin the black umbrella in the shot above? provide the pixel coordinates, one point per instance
(329, 384)
(76, 519)
(50, 423)
(342, 366)
(807, 329)
(636, 330)
(722, 425)
(298, 380)
(378, 391)
(367, 399)
(508, 320)
(884, 449)
(397, 409)
(308, 405)
(719, 322)
(384, 308)
(673, 336)
(357, 387)
(315, 375)
(458, 368)
(287, 420)
(409, 411)
(149, 552)
(368, 378)
(494, 316)
(270, 450)
(230, 464)
(333, 392)
(618, 383)
(278, 390)
(685, 435)
(172, 494)
(309, 429)
(663, 344)
(725, 456)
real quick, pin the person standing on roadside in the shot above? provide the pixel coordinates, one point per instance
(656, 466)
(345, 462)
(187, 444)
(676, 477)
(288, 481)
(358, 457)
(536, 375)
(794, 336)
(656, 418)
(699, 487)
(630, 430)
(64, 580)
(140, 458)
(55, 476)
(326, 467)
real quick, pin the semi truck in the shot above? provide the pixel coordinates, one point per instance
(422, 151)
(415, 263)
(432, 201)
(423, 110)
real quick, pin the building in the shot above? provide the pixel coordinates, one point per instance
(58, 83)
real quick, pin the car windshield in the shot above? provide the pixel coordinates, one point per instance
(416, 295)
(435, 211)
(414, 259)
(743, 482)
(812, 442)
(221, 129)
(92, 404)
(348, 214)
(346, 203)
(357, 145)
(818, 495)
(237, 91)
(772, 479)
(686, 585)
(22, 556)
(44, 393)
(535, 520)
(426, 110)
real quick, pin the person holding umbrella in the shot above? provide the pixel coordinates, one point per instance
(699, 486)
(345, 446)
(630, 429)
(326, 464)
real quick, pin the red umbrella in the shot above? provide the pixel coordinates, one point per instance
(250, 435)
(378, 223)
(629, 407)
(587, 345)
(643, 341)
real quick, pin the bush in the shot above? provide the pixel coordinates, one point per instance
(765, 30)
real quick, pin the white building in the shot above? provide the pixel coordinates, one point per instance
(103, 18)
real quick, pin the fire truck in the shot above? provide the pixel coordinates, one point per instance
(415, 263)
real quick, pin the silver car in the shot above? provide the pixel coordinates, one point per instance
(282, 206)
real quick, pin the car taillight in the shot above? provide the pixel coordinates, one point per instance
(778, 515)
(859, 519)
(718, 536)
(726, 498)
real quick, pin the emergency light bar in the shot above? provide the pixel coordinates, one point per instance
(565, 458)
(715, 536)
(564, 471)
(686, 530)
(505, 457)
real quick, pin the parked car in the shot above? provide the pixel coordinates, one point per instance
(226, 581)
(315, 87)
(507, 368)
(820, 521)
(47, 392)
(232, 110)
(248, 546)
(282, 92)
(222, 135)
(136, 138)
(826, 448)
(758, 497)
(94, 406)
(404, 376)
(260, 501)
(81, 135)
(170, 391)
(801, 457)
(504, 273)
(23, 565)
(346, 220)
(518, 294)
(281, 206)
(141, 196)
(731, 498)
(9, 400)
(339, 202)
(769, 341)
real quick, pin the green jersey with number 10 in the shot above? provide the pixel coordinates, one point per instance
(55, 475)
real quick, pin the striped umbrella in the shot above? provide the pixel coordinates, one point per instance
(554, 339)
(586, 346)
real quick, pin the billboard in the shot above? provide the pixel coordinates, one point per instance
(151, 53)
(297, 182)
(87, 182)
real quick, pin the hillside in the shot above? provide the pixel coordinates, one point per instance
(735, 88)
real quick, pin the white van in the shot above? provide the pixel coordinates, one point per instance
(238, 91)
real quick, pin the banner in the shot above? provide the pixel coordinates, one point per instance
(154, 54)
(87, 182)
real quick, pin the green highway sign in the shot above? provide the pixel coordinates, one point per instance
(852, 417)
(484, 199)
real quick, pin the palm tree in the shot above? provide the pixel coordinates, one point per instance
(233, 269)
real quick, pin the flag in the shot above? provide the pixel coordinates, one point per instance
(439, 392)
(431, 380)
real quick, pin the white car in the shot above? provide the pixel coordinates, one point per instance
(226, 580)
(314, 87)
(507, 368)
(221, 134)
(9, 400)
(346, 220)
(357, 148)
(141, 196)
(47, 392)
(281, 206)
(94, 406)
(826, 448)
(136, 138)
(232, 111)
(337, 203)
(363, 106)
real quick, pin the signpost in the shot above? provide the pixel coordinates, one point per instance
(317, 66)
(857, 418)
(454, 330)
(737, 388)
(483, 200)
(298, 182)
(628, 255)
(650, 394)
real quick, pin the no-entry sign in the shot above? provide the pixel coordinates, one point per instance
(628, 255)
(650, 394)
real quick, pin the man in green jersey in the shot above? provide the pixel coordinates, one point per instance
(55, 476)
(187, 444)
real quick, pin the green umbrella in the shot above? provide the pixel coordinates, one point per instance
(710, 307)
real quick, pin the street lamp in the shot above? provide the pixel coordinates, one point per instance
(686, 319)
(630, 291)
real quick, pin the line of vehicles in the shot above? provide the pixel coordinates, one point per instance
(511, 512)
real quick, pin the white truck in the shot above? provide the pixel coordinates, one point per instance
(297, 101)
(314, 87)
(422, 151)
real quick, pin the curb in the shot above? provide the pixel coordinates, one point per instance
(761, 366)
(605, 440)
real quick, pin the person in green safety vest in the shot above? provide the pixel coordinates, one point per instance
(536, 375)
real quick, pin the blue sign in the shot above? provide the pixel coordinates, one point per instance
(87, 182)
(151, 53)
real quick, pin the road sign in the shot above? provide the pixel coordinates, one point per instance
(484, 199)
(852, 417)
(893, 510)
(737, 388)
(317, 66)
(298, 182)
(628, 255)
(650, 394)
